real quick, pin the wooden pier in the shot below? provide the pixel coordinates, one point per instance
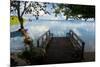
(61, 49)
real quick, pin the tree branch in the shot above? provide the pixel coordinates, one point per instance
(25, 8)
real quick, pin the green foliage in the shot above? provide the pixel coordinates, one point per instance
(20, 8)
(34, 55)
(68, 10)
(27, 7)
(62, 8)
(14, 20)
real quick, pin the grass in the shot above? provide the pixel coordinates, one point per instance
(14, 20)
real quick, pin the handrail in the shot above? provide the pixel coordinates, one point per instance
(43, 34)
(43, 39)
(74, 34)
(81, 43)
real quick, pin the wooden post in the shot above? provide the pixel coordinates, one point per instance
(38, 43)
(82, 55)
(46, 36)
(42, 40)
(71, 33)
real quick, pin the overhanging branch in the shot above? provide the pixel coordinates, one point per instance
(25, 8)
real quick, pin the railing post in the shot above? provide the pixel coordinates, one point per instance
(71, 33)
(41, 39)
(49, 32)
(82, 55)
(46, 35)
(38, 43)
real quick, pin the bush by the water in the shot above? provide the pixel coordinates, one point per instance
(33, 56)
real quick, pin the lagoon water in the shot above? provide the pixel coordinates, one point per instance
(84, 29)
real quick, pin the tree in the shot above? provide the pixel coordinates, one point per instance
(89, 12)
(76, 11)
(62, 8)
(85, 11)
(27, 7)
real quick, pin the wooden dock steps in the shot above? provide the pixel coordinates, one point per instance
(60, 50)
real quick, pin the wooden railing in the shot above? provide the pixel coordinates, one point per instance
(44, 39)
(77, 43)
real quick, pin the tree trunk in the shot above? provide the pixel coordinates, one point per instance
(21, 23)
(20, 16)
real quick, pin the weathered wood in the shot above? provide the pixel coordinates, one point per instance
(78, 43)
(82, 55)
(74, 34)
(61, 50)
(44, 39)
